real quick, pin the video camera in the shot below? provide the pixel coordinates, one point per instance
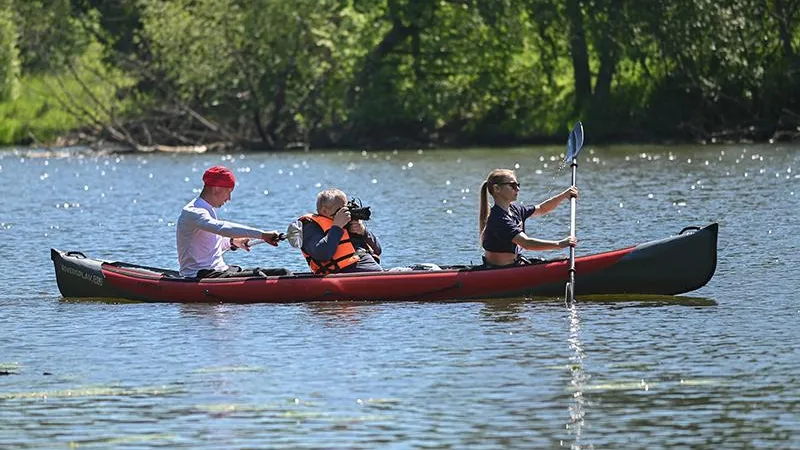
(358, 212)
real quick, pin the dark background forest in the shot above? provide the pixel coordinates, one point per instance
(275, 74)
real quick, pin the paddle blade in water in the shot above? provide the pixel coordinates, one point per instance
(575, 142)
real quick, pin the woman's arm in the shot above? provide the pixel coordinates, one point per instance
(551, 203)
(529, 243)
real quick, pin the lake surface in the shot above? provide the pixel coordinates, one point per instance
(716, 368)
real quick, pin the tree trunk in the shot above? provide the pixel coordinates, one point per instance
(580, 55)
(396, 36)
(609, 57)
(784, 17)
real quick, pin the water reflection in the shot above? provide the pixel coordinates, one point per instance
(501, 309)
(504, 310)
(339, 314)
(217, 314)
(579, 406)
(646, 300)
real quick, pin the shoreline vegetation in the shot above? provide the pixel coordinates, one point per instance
(196, 76)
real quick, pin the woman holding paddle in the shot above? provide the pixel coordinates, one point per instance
(502, 228)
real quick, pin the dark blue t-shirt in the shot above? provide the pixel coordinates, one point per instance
(503, 226)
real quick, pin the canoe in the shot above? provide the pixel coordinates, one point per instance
(669, 266)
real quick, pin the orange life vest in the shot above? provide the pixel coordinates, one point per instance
(344, 256)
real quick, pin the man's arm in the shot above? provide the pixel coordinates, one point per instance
(373, 242)
(202, 219)
(358, 229)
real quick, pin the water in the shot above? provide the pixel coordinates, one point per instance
(715, 368)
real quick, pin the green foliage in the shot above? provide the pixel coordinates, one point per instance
(49, 105)
(49, 34)
(285, 62)
(346, 72)
(9, 54)
(468, 71)
(714, 60)
(190, 43)
(117, 22)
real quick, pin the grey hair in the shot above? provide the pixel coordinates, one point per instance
(328, 197)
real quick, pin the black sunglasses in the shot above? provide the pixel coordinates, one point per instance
(513, 184)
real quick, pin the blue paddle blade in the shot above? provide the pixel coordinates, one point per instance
(575, 142)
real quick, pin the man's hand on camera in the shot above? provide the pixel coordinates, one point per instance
(357, 227)
(342, 217)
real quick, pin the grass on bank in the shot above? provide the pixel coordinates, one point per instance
(51, 105)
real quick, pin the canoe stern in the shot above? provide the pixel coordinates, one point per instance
(79, 276)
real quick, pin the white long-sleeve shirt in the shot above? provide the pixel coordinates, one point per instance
(200, 238)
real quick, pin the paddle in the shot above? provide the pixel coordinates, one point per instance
(574, 144)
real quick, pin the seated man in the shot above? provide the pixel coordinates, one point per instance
(333, 243)
(202, 238)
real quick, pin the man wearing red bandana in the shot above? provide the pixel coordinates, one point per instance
(202, 237)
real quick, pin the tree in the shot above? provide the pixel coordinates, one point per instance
(9, 55)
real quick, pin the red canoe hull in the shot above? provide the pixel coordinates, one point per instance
(669, 266)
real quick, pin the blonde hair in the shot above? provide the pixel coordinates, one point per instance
(487, 188)
(328, 197)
